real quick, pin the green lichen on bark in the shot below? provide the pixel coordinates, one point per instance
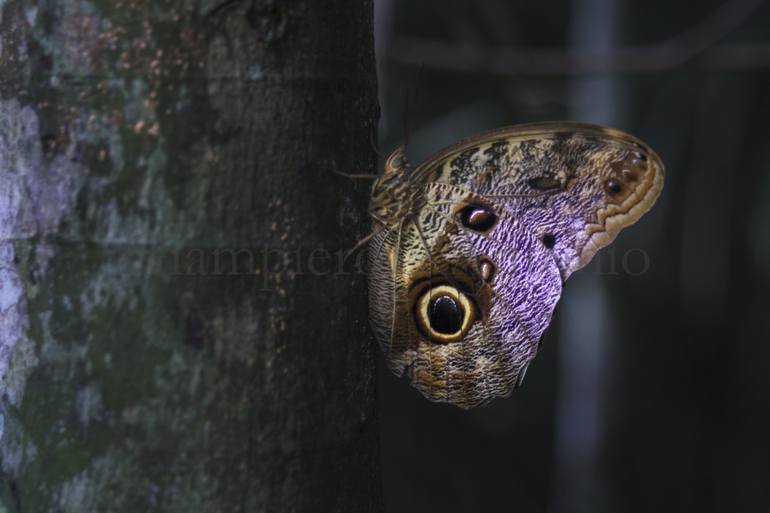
(150, 130)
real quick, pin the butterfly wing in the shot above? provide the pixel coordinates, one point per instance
(463, 287)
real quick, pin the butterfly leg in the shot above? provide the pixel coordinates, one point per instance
(394, 280)
(382, 226)
(363, 241)
(365, 176)
(357, 176)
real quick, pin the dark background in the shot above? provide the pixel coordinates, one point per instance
(652, 392)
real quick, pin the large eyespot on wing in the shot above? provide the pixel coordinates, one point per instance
(444, 314)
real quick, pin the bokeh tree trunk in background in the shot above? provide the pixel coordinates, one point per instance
(177, 333)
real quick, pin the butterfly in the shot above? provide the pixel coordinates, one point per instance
(470, 248)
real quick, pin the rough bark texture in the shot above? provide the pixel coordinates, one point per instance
(177, 333)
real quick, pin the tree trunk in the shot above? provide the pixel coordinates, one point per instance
(178, 331)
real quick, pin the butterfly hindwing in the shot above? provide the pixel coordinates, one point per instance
(501, 276)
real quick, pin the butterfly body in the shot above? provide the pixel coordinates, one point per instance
(471, 247)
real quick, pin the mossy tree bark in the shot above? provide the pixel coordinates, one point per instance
(177, 331)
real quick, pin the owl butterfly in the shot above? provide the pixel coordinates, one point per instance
(471, 247)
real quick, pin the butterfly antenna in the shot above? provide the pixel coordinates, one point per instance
(373, 141)
(406, 119)
(365, 176)
(362, 242)
(420, 76)
(418, 82)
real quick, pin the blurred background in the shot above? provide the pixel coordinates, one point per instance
(652, 391)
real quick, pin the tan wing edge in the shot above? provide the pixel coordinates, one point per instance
(613, 218)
